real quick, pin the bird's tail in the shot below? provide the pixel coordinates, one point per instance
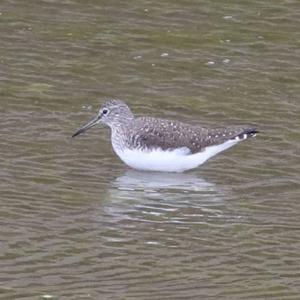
(247, 133)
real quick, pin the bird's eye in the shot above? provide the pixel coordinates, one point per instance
(105, 111)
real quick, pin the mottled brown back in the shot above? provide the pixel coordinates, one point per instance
(147, 132)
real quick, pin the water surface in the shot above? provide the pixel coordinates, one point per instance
(78, 224)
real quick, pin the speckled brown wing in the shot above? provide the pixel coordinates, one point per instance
(221, 135)
(149, 133)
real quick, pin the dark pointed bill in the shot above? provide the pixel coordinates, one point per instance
(92, 123)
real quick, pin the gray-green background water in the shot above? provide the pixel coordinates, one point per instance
(76, 223)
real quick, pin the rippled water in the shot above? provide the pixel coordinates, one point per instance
(78, 224)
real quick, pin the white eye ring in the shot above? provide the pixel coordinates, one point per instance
(105, 111)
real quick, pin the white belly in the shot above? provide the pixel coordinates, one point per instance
(177, 160)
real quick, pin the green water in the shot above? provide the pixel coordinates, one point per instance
(76, 223)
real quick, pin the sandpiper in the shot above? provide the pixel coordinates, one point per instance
(154, 144)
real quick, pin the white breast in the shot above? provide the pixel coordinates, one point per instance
(177, 160)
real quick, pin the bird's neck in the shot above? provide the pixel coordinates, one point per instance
(119, 136)
(121, 123)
